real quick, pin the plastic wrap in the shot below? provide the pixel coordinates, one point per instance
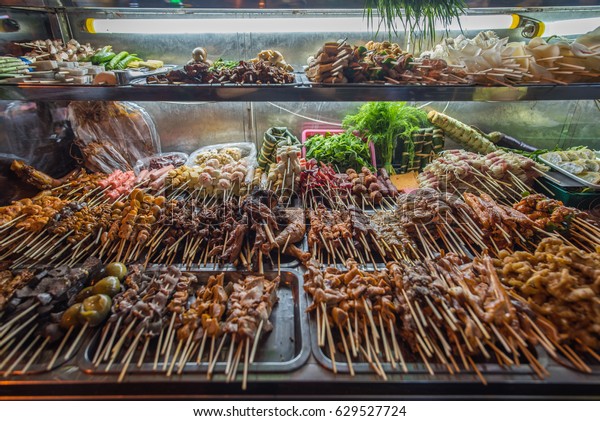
(160, 160)
(248, 152)
(37, 134)
(113, 135)
(217, 170)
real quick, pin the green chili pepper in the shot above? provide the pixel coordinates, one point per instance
(116, 59)
(102, 54)
(123, 63)
(106, 57)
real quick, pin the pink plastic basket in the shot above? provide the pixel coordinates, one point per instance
(311, 132)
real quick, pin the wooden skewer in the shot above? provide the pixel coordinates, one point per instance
(256, 340)
(5, 328)
(581, 365)
(426, 345)
(246, 358)
(76, 341)
(21, 356)
(35, 355)
(330, 342)
(216, 357)
(157, 353)
(236, 363)
(174, 360)
(535, 364)
(515, 334)
(501, 355)
(420, 351)
(144, 351)
(129, 356)
(60, 348)
(16, 348)
(483, 380)
(445, 346)
(109, 344)
(14, 332)
(115, 351)
(388, 353)
(169, 339)
(501, 338)
(230, 355)
(588, 349)
(324, 321)
(372, 322)
(185, 355)
(168, 336)
(371, 362)
(201, 349)
(484, 351)
(346, 351)
(514, 351)
(377, 362)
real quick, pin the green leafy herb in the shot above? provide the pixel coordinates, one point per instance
(343, 151)
(221, 64)
(418, 17)
(385, 124)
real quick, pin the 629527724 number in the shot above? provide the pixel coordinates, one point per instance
(371, 411)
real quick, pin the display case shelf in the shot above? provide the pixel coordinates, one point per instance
(304, 92)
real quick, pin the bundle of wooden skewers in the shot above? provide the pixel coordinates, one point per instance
(162, 318)
(81, 218)
(446, 314)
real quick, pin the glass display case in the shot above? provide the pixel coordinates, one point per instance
(290, 362)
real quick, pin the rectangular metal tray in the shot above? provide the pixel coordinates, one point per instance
(371, 84)
(415, 366)
(30, 348)
(284, 349)
(572, 176)
(298, 82)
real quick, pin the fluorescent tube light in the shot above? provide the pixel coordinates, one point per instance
(571, 26)
(319, 24)
(274, 25)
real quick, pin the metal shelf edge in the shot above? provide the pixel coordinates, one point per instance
(312, 93)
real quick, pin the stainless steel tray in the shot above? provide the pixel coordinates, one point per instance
(284, 349)
(570, 175)
(142, 82)
(414, 365)
(34, 355)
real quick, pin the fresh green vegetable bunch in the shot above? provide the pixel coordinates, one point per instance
(418, 17)
(385, 124)
(113, 61)
(343, 151)
(221, 64)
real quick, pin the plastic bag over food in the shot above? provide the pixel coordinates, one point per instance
(113, 135)
(38, 134)
(247, 152)
(160, 160)
(218, 169)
